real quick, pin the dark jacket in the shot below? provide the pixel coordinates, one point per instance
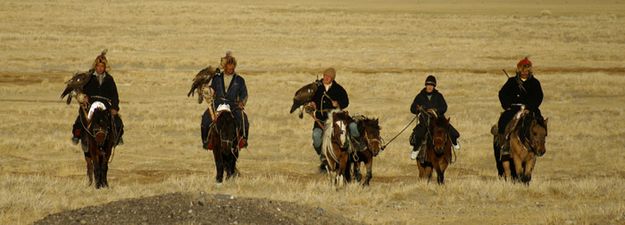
(511, 93)
(108, 89)
(237, 91)
(323, 100)
(435, 102)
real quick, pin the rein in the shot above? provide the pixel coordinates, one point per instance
(402, 130)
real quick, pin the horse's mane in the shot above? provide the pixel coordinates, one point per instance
(441, 122)
(526, 123)
(370, 122)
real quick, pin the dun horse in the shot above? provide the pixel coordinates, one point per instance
(335, 145)
(438, 150)
(526, 140)
(370, 131)
(222, 136)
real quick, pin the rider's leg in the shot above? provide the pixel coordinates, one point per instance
(119, 124)
(243, 125)
(454, 135)
(204, 127)
(504, 119)
(418, 138)
(317, 136)
(76, 130)
(355, 134)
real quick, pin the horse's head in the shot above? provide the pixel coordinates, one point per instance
(99, 122)
(371, 134)
(304, 95)
(340, 121)
(439, 129)
(226, 130)
(537, 136)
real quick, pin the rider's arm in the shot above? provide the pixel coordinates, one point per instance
(441, 107)
(415, 103)
(506, 94)
(114, 95)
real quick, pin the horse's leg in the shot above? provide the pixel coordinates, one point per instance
(369, 165)
(105, 168)
(342, 167)
(89, 170)
(219, 177)
(518, 166)
(440, 170)
(529, 167)
(357, 173)
(348, 167)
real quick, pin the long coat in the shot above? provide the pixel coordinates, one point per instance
(511, 94)
(436, 101)
(108, 89)
(323, 100)
(237, 91)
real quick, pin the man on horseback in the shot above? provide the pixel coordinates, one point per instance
(100, 85)
(229, 88)
(520, 91)
(433, 102)
(331, 95)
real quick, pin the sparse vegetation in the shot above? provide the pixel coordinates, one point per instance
(382, 51)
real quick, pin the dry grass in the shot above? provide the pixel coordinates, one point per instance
(382, 53)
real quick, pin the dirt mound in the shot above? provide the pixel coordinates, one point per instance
(177, 208)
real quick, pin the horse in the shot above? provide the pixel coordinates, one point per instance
(99, 141)
(526, 139)
(334, 145)
(438, 149)
(370, 131)
(223, 136)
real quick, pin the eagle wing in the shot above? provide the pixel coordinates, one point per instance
(75, 84)
(304, 95)
(201, 79)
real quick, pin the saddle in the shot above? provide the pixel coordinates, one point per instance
(516, 124)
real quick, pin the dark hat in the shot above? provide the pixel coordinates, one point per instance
(431, 80)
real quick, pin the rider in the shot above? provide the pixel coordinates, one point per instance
(521, 90)
(229, 88)
(331, 95)
(101, 84)
(430, 100)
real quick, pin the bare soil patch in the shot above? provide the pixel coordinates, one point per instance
(197, 208)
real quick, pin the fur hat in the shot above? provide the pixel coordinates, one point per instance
(524, 62)
(430, 80)
(101, 59)
(330, 72)
(228, 59)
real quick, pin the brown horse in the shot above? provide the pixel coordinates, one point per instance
(100, 141)
(370, 132)
(438, 150)
(222, 136)
(335, 145)
(526, 138)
